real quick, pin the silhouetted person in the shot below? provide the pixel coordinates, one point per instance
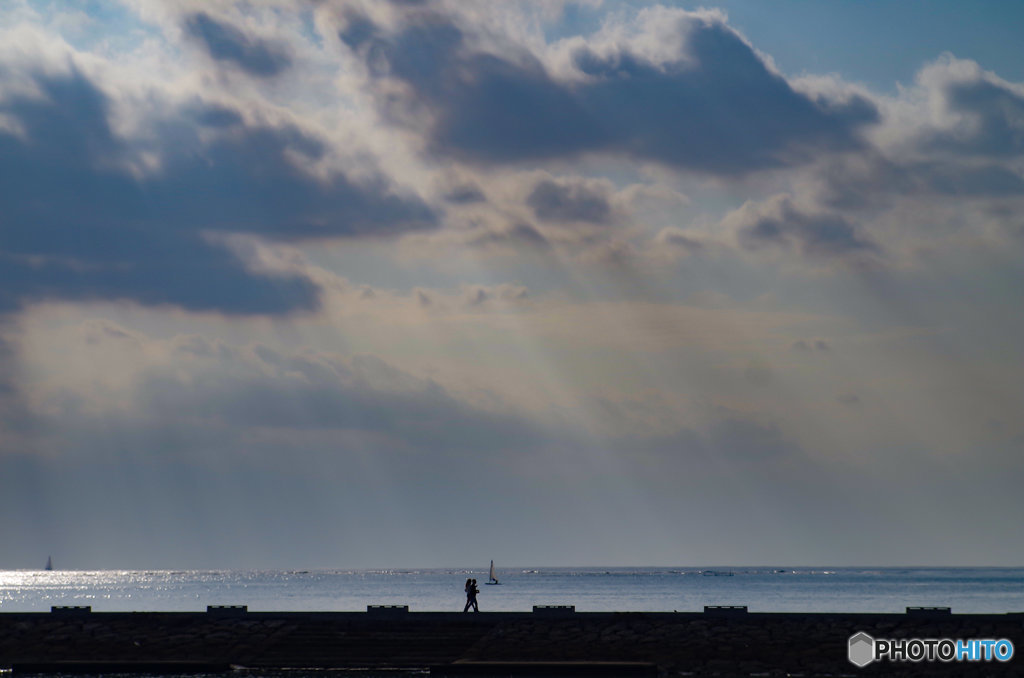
(471, 591)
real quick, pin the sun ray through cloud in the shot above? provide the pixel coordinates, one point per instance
(360, 284)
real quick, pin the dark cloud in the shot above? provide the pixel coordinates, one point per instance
(720, 110)
(99, 330)
(970, 158)
(969, 181)
(678, 239)
(996, 114)
(517, 234)
(782, 224)
(875, 180)
(78, 224)
(195, 275)
(216, 116)
(560, 201)
(358, 30)
(465, 194)
(224, 42)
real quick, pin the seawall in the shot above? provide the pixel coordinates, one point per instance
(718, 641)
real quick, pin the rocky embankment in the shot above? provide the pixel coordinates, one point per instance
(558, 642)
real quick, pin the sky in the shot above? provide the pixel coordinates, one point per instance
(422, 284)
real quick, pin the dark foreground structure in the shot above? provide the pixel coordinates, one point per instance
(550, 641)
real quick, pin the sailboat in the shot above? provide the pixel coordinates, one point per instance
(494, 580)
(49, 563)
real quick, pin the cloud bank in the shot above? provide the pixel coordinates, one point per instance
(90, 214)
(712, 105)
(317, 282)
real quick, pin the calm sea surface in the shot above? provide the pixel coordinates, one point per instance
(589, 589)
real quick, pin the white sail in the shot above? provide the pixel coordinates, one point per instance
(494, 579)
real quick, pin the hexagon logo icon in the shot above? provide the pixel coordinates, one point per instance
(861, 649)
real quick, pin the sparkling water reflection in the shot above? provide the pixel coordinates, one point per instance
(589, 589)
(254, 673)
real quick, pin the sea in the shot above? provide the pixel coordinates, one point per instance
(589, 589)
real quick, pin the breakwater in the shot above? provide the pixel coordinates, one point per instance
(547, 641)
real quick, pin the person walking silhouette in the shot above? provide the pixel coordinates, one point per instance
(471, 591)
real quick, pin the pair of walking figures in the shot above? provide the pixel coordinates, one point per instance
(471, 591)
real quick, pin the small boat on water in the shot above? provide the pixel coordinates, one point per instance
(49, 563)
(494, 580)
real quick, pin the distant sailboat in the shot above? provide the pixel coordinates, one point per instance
(49, 563)
(494, 580)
